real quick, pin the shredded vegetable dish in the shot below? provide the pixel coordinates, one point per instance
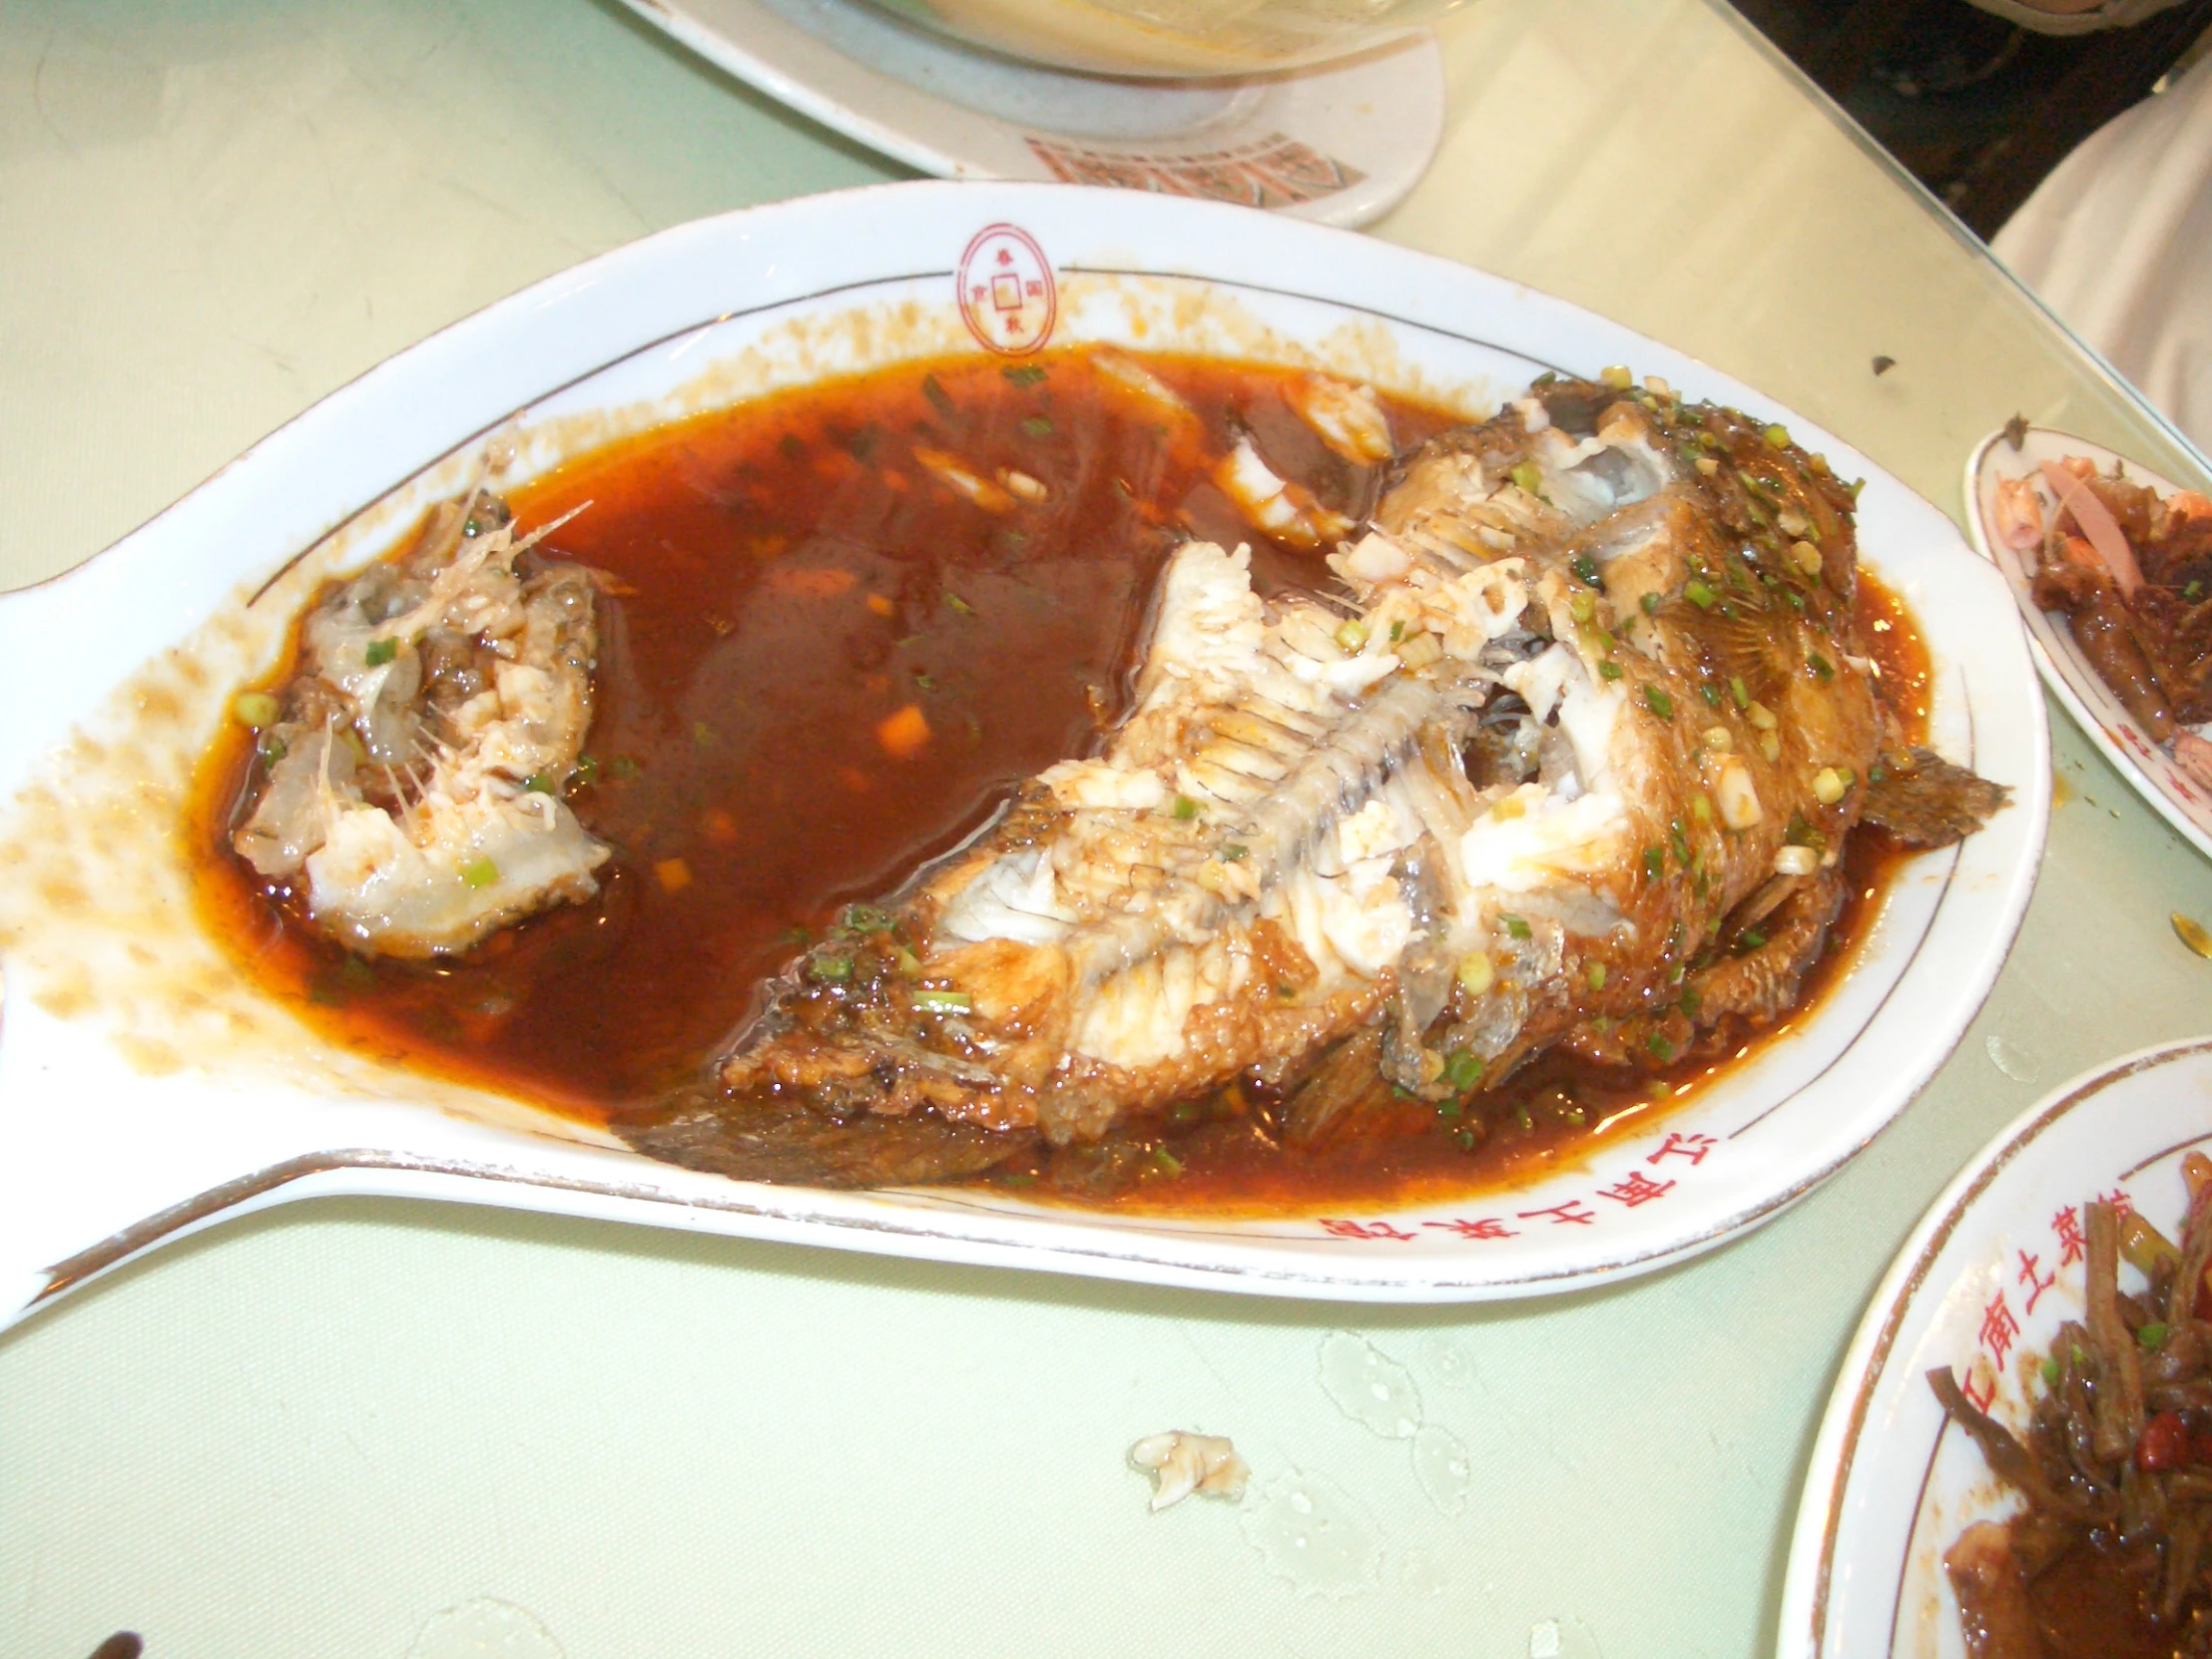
(2111, 1556)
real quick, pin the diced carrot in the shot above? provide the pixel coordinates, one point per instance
(812, 581)
(897, 482)
(904, 733)
(719, 827)
(2188, 505)
(882, 604)
(673, 873)
(853, 778)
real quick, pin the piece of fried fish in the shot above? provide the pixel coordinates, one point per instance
(408, 774)
(1568, 758)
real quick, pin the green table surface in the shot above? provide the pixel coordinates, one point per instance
(383, 1430)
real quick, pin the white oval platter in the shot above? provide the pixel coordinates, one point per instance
(2149, 771)
(1981, 1287)
(147, 1086)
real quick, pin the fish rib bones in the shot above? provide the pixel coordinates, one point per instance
(1589, 693)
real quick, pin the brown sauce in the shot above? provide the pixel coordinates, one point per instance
(798, 596)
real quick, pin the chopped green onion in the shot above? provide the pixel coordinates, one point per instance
(1650, 602)
(1750, 939)
(959, 605)
(1036, 426)
(1700, 809)
(1659, 703)
(1710, 692)
(866, 918)
(1464, 1070)
(1184, 808)
(538, 782)
(1820, 665)
(1778, 435)
(1659, 1046)
(1352, 634)
(380, 652)
(1739, 691)
(255, 709)
(1166, 1162)
(1617, 377)
(1023, 374)
(1527, 476)
(938, 395)
(1231, 852)
(942, 1002)
(1398, 631)
(1476, 973)
(1699, 593)
(1597, 976)
(2193, 590)
(1608, 670)
(830, 970)
(2152, 1335)
(1585, 570)
(587, 769)
(1449, 1109)
(1690, 1002)
(2050, 1373)
(1583, 607)
(479, 873)
(1655, 862)
(1514, 925)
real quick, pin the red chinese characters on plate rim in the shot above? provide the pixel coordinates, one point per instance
(1629, 1191)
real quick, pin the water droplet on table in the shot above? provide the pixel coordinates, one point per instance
(1314, 1535)
(2011, 1059)
(1446, 1361)
(1369, 1386)
(484, 1628)
(1562, 1639)
(1445, 1469)
(1422, 1574)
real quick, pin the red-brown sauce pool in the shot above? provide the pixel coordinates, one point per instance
(822, 665)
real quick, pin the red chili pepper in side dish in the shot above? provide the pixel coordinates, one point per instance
(2164, 1443)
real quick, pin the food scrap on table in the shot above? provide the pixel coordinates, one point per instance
(1182, 1462)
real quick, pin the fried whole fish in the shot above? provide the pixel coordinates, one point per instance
(1568, 758)
(408, 773)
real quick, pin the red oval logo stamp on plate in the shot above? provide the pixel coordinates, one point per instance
(1007, 295)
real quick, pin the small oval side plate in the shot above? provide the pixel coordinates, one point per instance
(2147, 768)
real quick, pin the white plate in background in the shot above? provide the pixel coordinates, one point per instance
(1981, 1287)
(1340, 143)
